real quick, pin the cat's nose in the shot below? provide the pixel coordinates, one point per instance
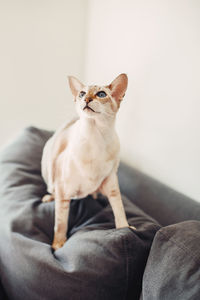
(87, 100)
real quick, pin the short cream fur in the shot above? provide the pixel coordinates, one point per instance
(82, 157)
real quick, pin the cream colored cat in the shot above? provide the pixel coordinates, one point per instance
(82, 157)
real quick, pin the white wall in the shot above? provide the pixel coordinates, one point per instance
(41, 42)
(157, 43)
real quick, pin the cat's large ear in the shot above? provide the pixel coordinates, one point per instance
(75, 85)
(118, 87)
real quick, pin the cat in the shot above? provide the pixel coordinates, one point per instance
(82, 157)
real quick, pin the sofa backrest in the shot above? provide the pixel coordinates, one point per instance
(156, 199)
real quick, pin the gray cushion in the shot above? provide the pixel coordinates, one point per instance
(161, 202)
(97, 261)
(173, 267)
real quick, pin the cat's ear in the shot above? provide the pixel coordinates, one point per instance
(75, 85)
(118, 87)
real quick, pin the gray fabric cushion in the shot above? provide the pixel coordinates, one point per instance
(97, 261)
(2, 293)
(173, 267)
(161, 202)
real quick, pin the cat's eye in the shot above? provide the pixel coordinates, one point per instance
(82, 94)
(101, 94)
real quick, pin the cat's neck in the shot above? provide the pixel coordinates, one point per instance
(104, 126)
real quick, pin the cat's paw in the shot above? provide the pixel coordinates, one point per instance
(58, 244)
(132, 227)
(47, 198)
(95, 195)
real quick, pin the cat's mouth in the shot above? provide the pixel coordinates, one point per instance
(88, 107)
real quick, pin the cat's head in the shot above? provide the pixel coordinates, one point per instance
(95, 101)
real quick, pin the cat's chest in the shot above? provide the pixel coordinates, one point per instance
(88, 163)
(91, 155)
(85, 174)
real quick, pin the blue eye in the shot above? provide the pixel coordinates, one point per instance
(82, 93)
(101, 94)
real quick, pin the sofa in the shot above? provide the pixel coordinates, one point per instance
(160, 260)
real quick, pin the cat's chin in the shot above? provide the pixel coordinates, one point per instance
(89, 114)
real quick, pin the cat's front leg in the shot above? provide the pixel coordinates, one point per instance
(61, 218)
(110, 188)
